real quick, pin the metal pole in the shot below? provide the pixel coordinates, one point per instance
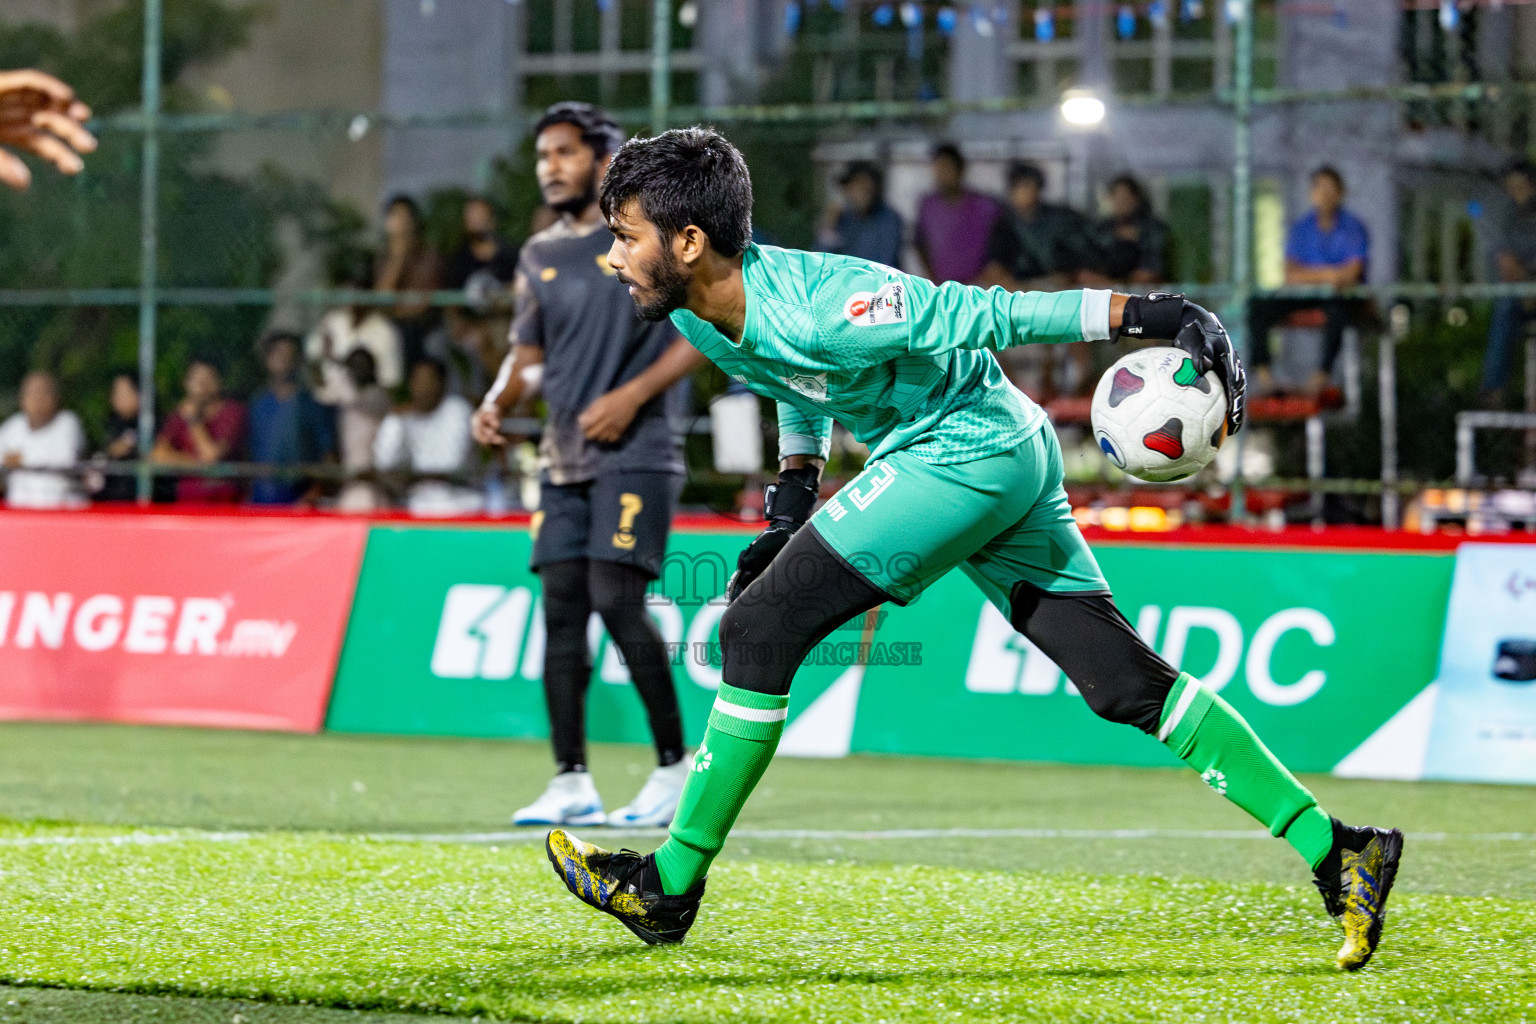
(1464, 458)
(1530, 407)
(1317, 465)
(149, 242)
(1397, 329)
(1242, 217)
(661, 65)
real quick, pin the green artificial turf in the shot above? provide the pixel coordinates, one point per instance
(80, 1006)
(489, 930)
(247, 867)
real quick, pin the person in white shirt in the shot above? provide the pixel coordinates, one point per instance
(361, 406)
(39, 439)
(346, 329)
(430, 437)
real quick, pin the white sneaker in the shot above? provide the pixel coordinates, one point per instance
(657, 800)
(570, 799)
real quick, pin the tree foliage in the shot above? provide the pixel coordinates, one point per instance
(84, 232)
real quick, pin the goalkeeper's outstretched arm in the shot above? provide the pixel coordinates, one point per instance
(867, 314)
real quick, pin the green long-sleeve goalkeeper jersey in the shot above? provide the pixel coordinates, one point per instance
(901, 362)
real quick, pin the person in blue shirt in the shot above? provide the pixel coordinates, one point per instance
(288, 427)
(1329, 247)
(859, 222)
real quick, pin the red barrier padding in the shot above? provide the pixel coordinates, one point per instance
(1070, 409)
(1341, 538)
(235, 622)
(1284, 408)
(1218, 534)
(1266, 409)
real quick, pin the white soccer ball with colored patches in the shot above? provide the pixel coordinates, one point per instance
(1156, 418)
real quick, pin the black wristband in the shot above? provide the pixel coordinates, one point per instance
(1158, 316)
(794, 496)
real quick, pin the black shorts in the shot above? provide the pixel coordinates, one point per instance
(618, 517)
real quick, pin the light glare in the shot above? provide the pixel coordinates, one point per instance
(1082, 109)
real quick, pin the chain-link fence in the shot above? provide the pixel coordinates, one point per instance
(237, 214)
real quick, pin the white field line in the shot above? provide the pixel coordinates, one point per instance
(532, 835)
(131, 839)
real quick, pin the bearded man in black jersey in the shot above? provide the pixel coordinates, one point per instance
(612, 469)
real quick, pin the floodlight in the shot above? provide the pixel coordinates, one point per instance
(1081, 108)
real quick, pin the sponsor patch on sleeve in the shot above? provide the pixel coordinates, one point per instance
(870, 309)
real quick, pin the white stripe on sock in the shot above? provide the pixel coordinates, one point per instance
(1186, 698)
(747, 714)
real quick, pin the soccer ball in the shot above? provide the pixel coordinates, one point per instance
(1156, 418)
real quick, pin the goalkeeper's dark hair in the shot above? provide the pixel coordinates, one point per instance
(599, 131)
(681, 177)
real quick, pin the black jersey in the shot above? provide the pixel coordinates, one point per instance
(569, 303)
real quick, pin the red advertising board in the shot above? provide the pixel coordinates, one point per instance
(229, 622)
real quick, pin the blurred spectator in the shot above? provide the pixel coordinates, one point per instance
(39, 438)
(486, 262)
(859, 222)
(205, 428)
(409, 264)
(1514, 259)
(430, 440)
(1131, 243)
(1041, 246)
(953, 223)
(288, 427)
(482, 268)
(343, 331)
(361, 405)
(1329, 247)
(1035, 244)
(122, 438)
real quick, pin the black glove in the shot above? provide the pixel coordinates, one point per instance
(1161, 316)
(787, 505)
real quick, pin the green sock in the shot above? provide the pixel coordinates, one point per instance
(1208, 735)
(739, 741)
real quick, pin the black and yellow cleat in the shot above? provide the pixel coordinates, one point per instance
(623, 884)
(1355, 880)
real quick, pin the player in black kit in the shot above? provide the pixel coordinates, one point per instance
(612, 469)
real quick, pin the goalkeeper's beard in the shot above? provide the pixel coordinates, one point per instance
(668, 288)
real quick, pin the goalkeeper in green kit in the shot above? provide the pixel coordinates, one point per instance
(964, 471)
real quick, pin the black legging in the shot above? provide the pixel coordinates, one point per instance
(809, 591)
(806, 593)
(1122, 679)
(573, 590)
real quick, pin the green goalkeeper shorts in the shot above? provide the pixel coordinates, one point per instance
(902, 523)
